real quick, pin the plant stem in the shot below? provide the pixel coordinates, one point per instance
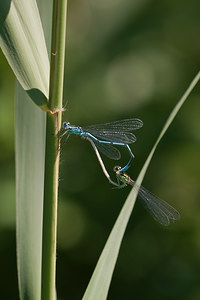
(52, 153)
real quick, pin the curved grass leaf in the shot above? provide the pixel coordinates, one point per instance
(100, 281)
(30, 157)
(22, 42)
(30, 143)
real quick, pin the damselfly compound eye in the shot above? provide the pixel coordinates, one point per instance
(66, 124)
(117, 168)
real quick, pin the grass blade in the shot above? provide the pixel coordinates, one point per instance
(30, 158)
(100, 281)
(30, 143)
(23, 44)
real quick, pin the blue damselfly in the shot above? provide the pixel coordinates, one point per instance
(106, 136)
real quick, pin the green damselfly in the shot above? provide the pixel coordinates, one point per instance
(160, 210)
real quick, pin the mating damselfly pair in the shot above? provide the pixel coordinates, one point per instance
(104, 138)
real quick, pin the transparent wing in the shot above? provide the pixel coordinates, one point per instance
(160, 210)
(118, 131)
(108, 150)
(122, 125)
(113, 136)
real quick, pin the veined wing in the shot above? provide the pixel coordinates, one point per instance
(118, 126)
(160, 210)
(112, 136)
(108, 150)
(116, 132)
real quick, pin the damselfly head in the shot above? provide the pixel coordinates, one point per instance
(66, 125)
(117, 169)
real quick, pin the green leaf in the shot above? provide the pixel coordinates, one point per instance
(30, 143)
(100, 281)
(22, 42)
(30, 159)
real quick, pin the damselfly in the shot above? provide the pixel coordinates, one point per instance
(160, 210)
(104, 136)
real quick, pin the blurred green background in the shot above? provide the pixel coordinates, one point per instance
(124, 59)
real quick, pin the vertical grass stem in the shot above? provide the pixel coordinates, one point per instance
(52, 146)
